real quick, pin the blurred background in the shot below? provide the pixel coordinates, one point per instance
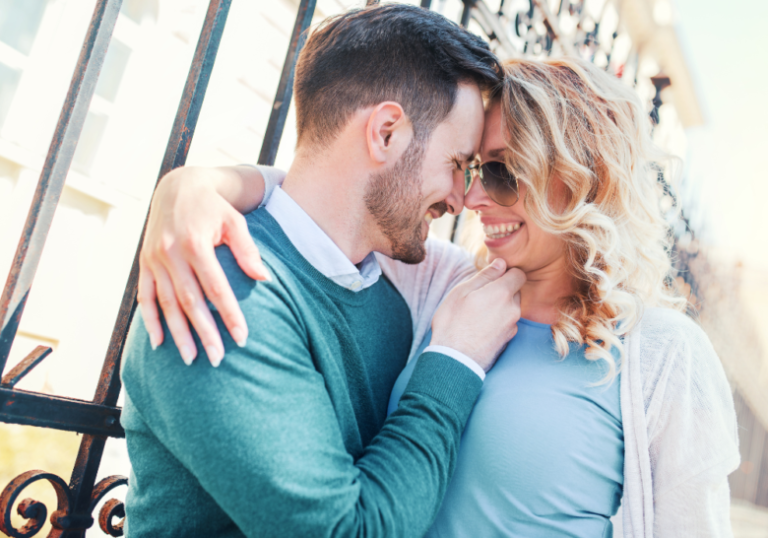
(695, 63)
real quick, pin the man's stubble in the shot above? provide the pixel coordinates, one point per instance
(395, 200)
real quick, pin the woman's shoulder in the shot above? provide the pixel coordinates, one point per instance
(665, 331)
(673, 350)
(668, 323)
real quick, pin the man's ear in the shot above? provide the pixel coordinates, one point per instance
(388, 132)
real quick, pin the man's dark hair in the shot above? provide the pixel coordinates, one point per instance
(391, 52)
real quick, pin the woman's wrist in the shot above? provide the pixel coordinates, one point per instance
(241, 186)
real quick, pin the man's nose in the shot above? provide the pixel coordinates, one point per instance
(455, 200)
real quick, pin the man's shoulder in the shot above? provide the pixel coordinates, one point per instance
(265, 230)
(276, 254)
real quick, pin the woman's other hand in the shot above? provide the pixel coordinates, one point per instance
(191, 213)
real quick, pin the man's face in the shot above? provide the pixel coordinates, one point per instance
(428, 180)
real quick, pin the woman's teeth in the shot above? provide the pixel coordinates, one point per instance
(497, 231)
(428, 218)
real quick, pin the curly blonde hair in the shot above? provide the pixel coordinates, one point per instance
(566, 120)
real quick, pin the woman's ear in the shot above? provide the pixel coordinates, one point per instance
(388, 132)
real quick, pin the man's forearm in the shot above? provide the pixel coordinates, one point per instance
(267, 443)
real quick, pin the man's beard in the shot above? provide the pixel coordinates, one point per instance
(395, 200)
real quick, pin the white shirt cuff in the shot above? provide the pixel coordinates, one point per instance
(459, 356)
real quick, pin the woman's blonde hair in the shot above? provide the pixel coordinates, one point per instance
(567, 121)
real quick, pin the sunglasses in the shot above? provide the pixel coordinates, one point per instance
(497, 181)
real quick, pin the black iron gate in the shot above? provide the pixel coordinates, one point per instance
(99, 418)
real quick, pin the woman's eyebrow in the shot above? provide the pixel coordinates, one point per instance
(496, 153)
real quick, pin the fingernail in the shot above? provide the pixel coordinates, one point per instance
(265, 273)
(239, 335)
(214, 355)
(187, 355)
(153, 341)
(498, 263)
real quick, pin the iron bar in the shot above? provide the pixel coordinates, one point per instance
(57, 412)
(108, 389)
(18, 372)
(284, 93)
(197, 83)
(660, 82)
(426, 4)
(466, 12)
(175, 156)
(54, 172)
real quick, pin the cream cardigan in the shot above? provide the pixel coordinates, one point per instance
(680, 438)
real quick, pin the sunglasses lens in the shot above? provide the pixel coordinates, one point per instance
(467, 180)
(499, 183)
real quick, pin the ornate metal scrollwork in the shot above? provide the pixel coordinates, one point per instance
(62, 519)
(112, 508)
(30, 509)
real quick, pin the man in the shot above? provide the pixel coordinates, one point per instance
(289, 435)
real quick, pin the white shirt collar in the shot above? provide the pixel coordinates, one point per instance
(319, 249)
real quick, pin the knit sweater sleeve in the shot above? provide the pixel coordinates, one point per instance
(261, 437)
(691, 422)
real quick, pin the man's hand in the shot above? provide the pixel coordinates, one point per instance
(478, 317)
(187, 219)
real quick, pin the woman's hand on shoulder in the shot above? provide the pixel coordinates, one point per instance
(188, 218)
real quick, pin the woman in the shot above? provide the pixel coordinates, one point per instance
(607, 392)
(555, 437)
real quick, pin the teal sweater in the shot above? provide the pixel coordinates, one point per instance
(289, 436)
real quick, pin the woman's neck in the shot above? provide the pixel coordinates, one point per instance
(541, 294)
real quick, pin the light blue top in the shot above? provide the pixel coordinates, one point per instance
(543, 452)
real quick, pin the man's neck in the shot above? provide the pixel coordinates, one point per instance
(332, 197)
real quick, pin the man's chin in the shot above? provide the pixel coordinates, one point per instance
(411, 253)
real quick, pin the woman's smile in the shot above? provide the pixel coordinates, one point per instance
(500, 233)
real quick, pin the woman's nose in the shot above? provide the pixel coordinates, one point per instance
(476, 198)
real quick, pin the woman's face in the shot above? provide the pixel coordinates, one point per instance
(510, 233)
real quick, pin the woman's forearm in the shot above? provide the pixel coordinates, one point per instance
(241, 186)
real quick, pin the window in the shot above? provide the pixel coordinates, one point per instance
(9, 81)
(113, 70)
(137, 10)
(127, 36)
(19, 24)
(115, 64)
